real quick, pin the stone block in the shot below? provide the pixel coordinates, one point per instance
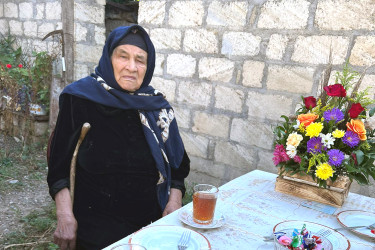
(45, 28)
(182, 116)
(252, 133)
(200, 40)
(210, 124)
(345, 15)
(40, 128)
(276, 46)
(101, 2)
(39, 45)
(291, 79)
(240, 44)
(87, 53)
(316, 49)
(88, 13)
(227, 14)
(284, 14)
(15, 28)
(80, 32)
(216, 69)
(186, 13)
(80, 71)
(363, 52)
(1, 10)
(196, 93)
(199, 177)
(368, 82)
(195, 145)
(159, 64)
(229, 98)
(181, 65)
(10, 10)
(234, 154)
(53, 10)
(26, 10)
(252, 74)
(207, 167)
(4, 26)
(40, 11)
(151, 12)
(268, 106)
(99, 35)
(265, 161)
(30, 28)
(166, 39)
(167, 87)
(234, 172)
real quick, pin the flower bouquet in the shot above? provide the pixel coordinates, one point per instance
(329, 136)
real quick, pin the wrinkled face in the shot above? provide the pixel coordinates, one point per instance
(129, 66)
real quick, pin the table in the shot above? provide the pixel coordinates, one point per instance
(252, 207)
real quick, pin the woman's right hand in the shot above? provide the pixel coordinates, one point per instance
(66, 231)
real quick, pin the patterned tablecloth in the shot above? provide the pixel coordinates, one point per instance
(252, 208)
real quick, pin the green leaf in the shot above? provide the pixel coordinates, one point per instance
(372, 112)
(360, 178)
(360, 156)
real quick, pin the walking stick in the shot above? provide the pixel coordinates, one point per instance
(85, 128)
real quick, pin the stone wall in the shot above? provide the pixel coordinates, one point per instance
(231, 68)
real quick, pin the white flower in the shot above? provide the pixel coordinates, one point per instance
(291, 151)
(297, 125)
(327, 140)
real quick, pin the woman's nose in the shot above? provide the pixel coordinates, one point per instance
(131, 65)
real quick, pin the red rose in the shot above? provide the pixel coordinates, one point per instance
(335, 90)
(310, 102)
(20, 65)
(373, 231)
(354, 156)
(9, 66)
(355, 110)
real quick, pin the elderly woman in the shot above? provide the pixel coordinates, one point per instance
(132, 164)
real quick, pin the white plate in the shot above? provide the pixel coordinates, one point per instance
(166, 238)
(186, 216)
(352, 218)
(338, 240)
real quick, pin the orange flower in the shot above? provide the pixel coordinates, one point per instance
(357, 127)
(306, 119)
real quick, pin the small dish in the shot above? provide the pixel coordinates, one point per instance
(337, 240)
(186, 216)
(352, 218)
(165, 237)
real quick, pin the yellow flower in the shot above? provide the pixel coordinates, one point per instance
(338, 133)
(314, 129)
(324, 171)
(294, 139)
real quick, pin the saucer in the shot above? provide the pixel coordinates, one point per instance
(186, 216)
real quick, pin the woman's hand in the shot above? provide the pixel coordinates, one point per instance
(66, 231)
(174, 202)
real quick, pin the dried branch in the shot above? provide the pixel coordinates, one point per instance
(26, 244)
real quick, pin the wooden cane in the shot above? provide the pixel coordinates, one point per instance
(85, 128)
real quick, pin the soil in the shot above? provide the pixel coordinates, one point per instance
(25, 193)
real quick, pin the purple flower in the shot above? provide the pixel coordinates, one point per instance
(335, 157)
(351, 139)
(314, 145)
(334, 114)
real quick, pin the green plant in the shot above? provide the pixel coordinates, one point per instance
(328, 136)
(24, 77)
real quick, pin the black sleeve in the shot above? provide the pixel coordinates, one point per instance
(179, 175)
(63, 142)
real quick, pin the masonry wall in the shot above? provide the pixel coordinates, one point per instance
(231, 68)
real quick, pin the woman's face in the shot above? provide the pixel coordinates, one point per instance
(129, 64)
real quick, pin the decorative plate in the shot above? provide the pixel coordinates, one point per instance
(166, 237)
(352, 218)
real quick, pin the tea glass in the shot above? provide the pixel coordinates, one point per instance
(204, 203)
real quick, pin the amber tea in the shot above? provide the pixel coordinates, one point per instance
(204, 202)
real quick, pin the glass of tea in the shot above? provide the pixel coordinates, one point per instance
(204, 202)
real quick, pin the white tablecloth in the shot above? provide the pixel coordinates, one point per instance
(252, 207)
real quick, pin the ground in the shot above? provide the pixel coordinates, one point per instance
(23, 187)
